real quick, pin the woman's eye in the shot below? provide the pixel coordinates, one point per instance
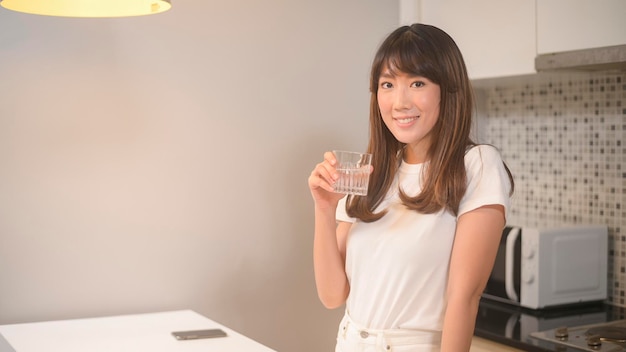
(418, 84)
(386, 85)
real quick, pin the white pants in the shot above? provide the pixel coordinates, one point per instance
(353, 338)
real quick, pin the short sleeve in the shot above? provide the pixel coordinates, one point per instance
(487, 180)
(341, 214)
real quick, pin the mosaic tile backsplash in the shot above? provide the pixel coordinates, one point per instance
(563, 137)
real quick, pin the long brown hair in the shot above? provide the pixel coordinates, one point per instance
(426, 51)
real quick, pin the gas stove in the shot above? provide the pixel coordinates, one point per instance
(602, 337)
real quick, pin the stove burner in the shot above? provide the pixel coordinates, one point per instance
(608, 333)
(561, 333)
(594, 341)
(600, 337)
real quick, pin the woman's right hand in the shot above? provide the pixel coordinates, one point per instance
(322, 180)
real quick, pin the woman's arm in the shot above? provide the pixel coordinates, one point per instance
(329, 244)
(329, 256)
(474, 251)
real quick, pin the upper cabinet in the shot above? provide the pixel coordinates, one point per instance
(565, 25)
(501, 38)
(496, 37)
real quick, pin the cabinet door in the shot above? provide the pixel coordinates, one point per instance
(564, 25)
(497, 37)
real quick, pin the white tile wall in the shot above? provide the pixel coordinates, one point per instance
(563, 137)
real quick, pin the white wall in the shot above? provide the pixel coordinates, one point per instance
(160, 162)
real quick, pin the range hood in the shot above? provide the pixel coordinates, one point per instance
(595, 59)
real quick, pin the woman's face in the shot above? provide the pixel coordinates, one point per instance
(409, 106)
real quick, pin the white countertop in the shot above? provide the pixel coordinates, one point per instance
(137, 333)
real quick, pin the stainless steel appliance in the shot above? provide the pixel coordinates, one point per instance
(592, 59)
(513, 325)
(541, 268)
(602, 337)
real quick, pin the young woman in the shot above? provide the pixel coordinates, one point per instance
(411, 259)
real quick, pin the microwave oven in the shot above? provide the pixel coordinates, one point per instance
(543, 268)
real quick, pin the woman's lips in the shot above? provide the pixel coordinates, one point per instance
(403, 121)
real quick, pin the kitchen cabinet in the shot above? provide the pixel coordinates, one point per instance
(500, 38)
(483, 345)
(565, 25)
(497, 37)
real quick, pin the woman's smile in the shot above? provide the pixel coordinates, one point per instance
(405, 121)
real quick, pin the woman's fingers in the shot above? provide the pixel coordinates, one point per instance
(321, 177)
(325, 174)
(330, 163)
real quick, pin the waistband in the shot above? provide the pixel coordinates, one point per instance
(387, 338)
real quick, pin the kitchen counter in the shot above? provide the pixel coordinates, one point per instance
(512, 326)
(141, 332)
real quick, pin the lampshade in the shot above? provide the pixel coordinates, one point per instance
(88, 8)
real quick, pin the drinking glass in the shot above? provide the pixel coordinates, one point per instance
(354, 172)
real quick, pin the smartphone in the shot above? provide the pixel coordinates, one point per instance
(199, 334)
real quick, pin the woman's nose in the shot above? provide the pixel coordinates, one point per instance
(402, 100)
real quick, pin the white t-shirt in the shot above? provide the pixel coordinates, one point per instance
(398, 266)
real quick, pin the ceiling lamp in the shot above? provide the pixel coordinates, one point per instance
(88, 8)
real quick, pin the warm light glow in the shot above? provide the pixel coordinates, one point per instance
(88, 8)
